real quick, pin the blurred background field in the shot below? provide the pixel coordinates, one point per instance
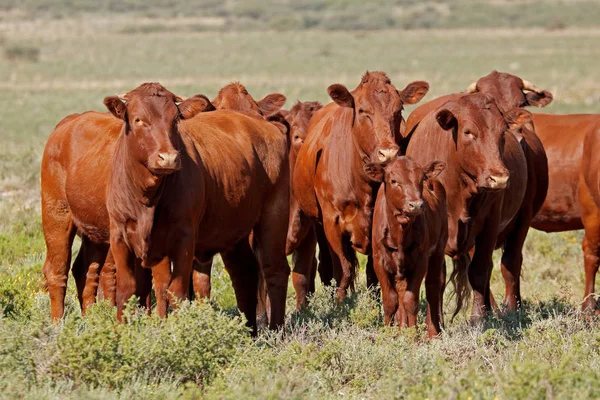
(58, 59)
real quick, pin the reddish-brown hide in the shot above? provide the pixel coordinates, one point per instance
(480, 148)
(589, 199)
(410, 231)
(329, 182)
(229, 177)
(303, 232)
(75, 173)
(509, 91)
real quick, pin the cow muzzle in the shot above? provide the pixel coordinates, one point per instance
(386, 155)
(166, 162)
(497, 182)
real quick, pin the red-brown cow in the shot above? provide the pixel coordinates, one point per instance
(74, 175)
(235, 97)
(479, 145)
(303, 233)
(508, 92)
(197, 187)
(589, 199)
(330, 184)
(410, 231)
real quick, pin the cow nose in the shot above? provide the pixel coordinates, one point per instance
(498, 181)
(168, 160)
(415, 206)
(387, 154)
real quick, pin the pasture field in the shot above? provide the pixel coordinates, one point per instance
(50, 69)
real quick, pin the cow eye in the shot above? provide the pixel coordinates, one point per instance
(467, 132)
(394, 182)
(137, 120)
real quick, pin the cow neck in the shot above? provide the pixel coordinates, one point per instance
(134, 193)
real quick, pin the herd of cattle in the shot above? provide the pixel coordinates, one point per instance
(161, 184)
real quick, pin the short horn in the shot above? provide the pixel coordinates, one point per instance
(179, 99)
(531, 87)
(122, 97)
(472, 88)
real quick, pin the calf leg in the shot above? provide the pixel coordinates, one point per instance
(590, 215)
(161, 277)
(126, 282)
(86, 271)
(242, 266)
(183, 259)
(108, 281)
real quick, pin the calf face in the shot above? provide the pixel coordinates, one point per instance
(403, 185)
(478, 130)
(377, 107)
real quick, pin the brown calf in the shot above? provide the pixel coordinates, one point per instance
(410, 231)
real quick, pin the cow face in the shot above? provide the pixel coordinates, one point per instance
(510, 91)
(298, 118)
(235, 97)
(377, 107)
(151, 113)
(403, 185)
(478, 130)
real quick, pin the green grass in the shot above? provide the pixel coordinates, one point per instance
(327, 351)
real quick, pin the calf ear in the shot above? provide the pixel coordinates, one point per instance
(195, 105)
(446, 119)
(414, 92)
(517, 117)
(116, 106)
(434, 169)
(340, 95)
(374, 171)
(539, 99)
(271, 104)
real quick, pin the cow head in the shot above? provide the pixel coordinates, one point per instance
(510, 91)
(377, 106)
(403, 185)
(235, 97)
(298, 118)
(151, 114)
(478, 128)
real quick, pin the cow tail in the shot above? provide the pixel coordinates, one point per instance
(460, 280)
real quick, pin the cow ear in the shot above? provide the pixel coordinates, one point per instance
(195, 105)
(271, 104)
(434, 169)
(280, 122)
(414, 92)
(340, 95)
(446, 119)
(541, 99)
(116, 106)
(374, 171)
(517, 117)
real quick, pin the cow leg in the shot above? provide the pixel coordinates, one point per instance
(305, 263)
(201, 278)
(388, 292)
(325, 267)
(59, 233)
(435, 283)
(411, 295)
(400, 282)
(480, 271)
(590, 216)
(341, 250)
(126, 282)
(143, 285)
(87, 269)
(512, 261)
(242, 266)
(370, 272)
(183, 259)
(161, 277)
(108, 281)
